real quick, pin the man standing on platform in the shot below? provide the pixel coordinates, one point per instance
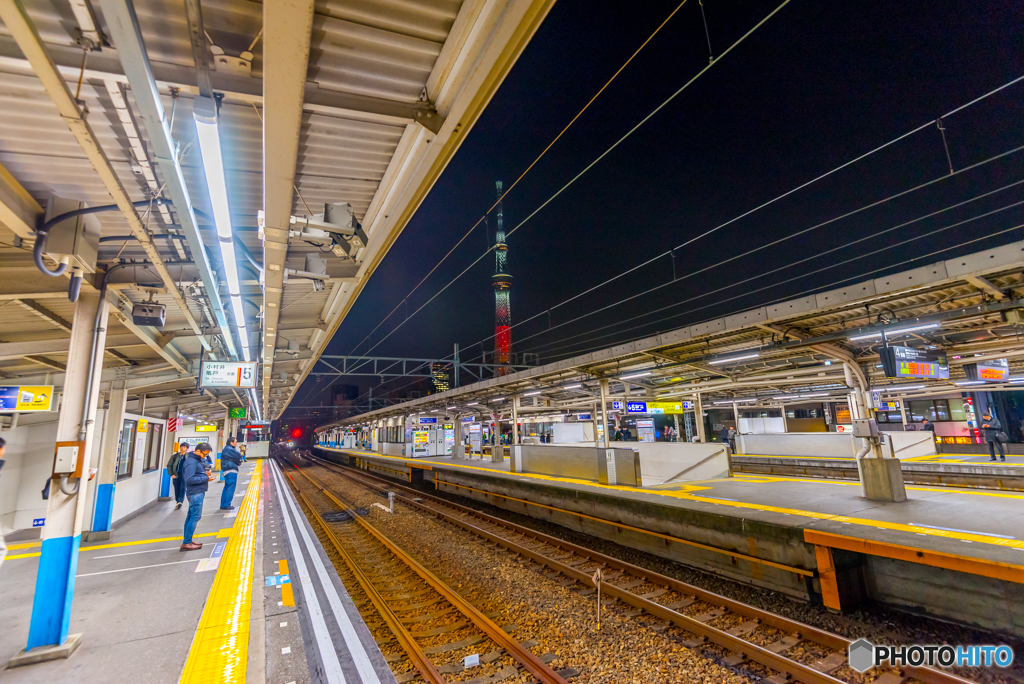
(174, 465)
(230, 458)
(197, 482)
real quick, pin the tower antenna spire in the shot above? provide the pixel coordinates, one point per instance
(502, 282)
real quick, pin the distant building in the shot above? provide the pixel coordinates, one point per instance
(440, 377)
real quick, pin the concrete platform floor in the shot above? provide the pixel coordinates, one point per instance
(983, 524)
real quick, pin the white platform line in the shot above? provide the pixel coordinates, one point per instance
(141, 567)
(355, 646)
(328, 654)
(133, 553)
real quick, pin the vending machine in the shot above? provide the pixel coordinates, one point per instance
(449, 438)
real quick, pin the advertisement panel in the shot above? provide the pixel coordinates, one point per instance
(26, 398)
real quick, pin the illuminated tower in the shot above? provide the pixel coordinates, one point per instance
(502, 288)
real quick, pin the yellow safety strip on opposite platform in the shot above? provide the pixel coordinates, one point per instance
(226, 532)
(685, 493)
(287, 595)
(220, 649)
(752, 478)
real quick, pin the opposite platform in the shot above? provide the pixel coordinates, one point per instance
(810, 538)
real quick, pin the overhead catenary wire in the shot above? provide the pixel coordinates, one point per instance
(804, 275)
(590, 336)
(813, 256)
(806, 292)
(848, 214)
(584, 171)
(483, 219)
(745, 214)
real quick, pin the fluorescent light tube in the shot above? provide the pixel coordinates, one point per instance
(635, 375)
(569, 387)
(734, 358)
(531, 394)
(855, 338)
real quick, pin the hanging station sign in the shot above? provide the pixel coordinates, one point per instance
(26, 398)
(908, 362)
(636, 407)
(427, 421)
(236, 412)
(241, 375)
(993, 370)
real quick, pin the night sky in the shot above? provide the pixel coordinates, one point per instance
(819, 84)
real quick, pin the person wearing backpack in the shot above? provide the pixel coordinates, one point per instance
(230, 458)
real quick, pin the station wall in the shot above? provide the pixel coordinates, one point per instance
(28, 461)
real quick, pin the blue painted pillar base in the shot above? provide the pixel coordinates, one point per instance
(104, 512)
(55, 587)
(165, 485)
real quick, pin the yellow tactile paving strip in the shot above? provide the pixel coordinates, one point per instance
(220, 648)
(686, 492)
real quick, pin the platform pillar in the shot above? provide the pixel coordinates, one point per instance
(62, 533)
(106, 477)
(604, 411)
(699, 415)
(166, 451)
(515, 425)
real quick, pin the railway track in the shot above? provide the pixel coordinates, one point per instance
(421, 624)
(736, 633)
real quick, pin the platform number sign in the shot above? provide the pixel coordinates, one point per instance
(876, 399)
(228, 374)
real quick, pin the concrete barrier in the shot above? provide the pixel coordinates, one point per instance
(667, 462)
(605, 466)
(811, 444)
(912, 444)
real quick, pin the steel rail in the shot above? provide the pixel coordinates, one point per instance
(813, 634)
(419, 659)
(526, 658)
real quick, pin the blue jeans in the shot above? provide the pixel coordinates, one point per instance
(195, 513)
(230, 478)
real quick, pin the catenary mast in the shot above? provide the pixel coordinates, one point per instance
(502, 289)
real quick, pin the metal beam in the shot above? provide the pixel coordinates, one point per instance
(44, 313)
(18, 209)
(985, 285)
(17, 350)
(49, 363)
(15, 17)
(486, 40)
(236, 89)
(124, 29)
(287, 30)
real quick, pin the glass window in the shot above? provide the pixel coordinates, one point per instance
(154, 445)
(919, 410)
(126, 450)
(956, 409)
(942, 409)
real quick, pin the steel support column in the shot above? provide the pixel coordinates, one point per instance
(62, 533)
(106, 476)
(604, 411)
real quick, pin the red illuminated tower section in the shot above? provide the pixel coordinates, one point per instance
(502, 289)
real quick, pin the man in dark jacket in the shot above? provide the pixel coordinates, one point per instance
(990, 428)
(230, 458)
(174, 465)
(197, 481)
